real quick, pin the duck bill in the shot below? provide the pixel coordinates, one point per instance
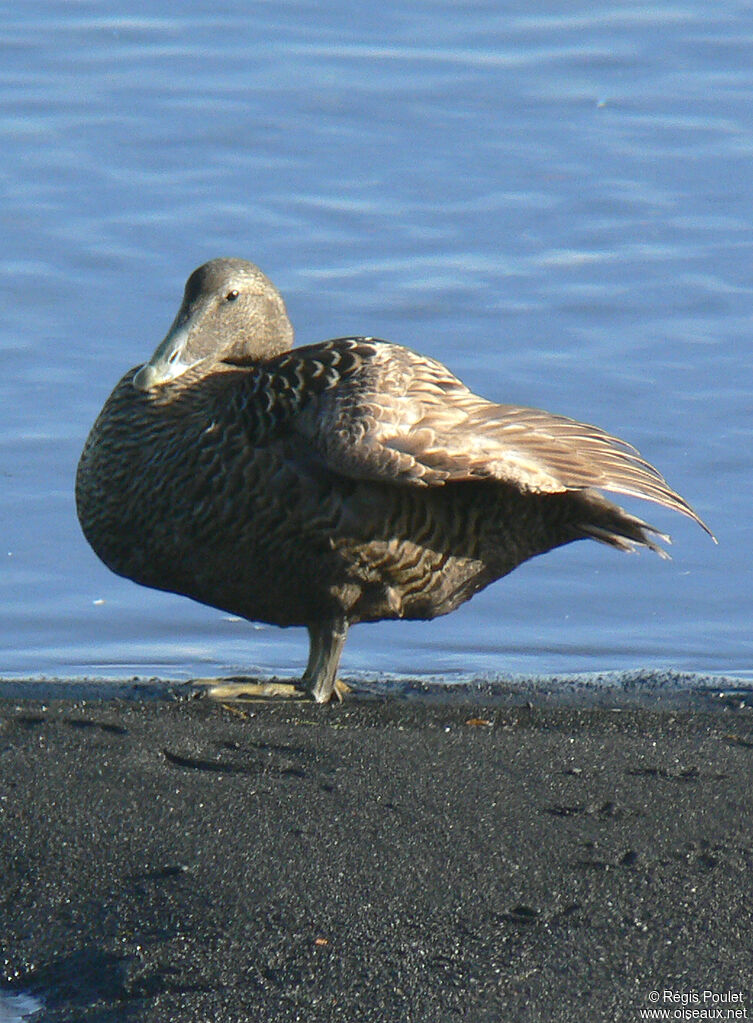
(168, 362)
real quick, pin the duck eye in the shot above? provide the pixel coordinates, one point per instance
(232, 295)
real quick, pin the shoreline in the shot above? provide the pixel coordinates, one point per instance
(410, 859)
(668, 689)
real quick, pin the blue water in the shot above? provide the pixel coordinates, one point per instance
(555, 199)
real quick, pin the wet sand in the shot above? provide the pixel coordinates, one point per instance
(403, 859)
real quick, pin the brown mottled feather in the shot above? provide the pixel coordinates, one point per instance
(397, 417)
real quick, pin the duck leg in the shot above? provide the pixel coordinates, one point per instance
(326, 645)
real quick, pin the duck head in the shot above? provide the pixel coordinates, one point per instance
(230, 313)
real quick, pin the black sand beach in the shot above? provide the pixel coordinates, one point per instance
(417, 860)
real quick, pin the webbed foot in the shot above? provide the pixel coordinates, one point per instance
(232, 690)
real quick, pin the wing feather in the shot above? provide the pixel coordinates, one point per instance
(402, 418)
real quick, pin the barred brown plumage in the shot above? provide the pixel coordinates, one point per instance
(347, 481)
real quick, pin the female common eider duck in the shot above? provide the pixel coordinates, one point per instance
(347, 481)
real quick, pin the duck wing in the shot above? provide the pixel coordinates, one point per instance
(376, 411)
